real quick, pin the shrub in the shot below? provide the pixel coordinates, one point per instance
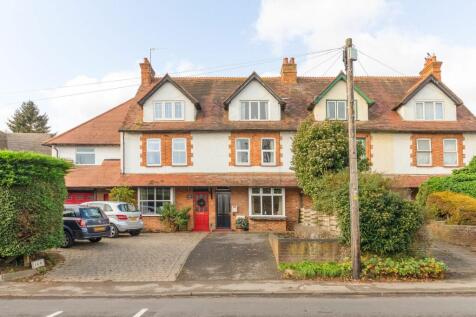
(319, 148)
(242, 223)
(176, 219)
(460, 181)
(32, 194)
(373, 267)
(457, 209)
(388, 223)
(123, 193)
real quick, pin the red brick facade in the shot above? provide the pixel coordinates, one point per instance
(255, 147)
(437, 148)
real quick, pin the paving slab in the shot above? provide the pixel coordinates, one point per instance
(146, 258)
(231, 256)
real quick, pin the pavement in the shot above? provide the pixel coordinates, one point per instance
(148, 257)
(231, 256)
(461, 260)
(422, 306)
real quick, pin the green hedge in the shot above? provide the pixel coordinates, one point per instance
(460, 181)
(455, 208)
(32, 192)
(388, 223)
(372, 268)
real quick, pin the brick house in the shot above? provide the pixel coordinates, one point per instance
(222, 145)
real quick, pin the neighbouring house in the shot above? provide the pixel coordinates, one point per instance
(222, 145)
(32, 142)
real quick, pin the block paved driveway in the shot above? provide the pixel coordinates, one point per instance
(231, 256)
(148, 257)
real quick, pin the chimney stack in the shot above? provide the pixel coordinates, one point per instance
(146, 73)
(289, 71)
(432, 67)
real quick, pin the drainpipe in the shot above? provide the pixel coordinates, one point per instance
(123, 155)
(56, 150)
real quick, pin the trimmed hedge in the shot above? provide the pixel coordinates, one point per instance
(388, 223)
(32, 193)
(460, 181)
(372, 268)
(456, 209)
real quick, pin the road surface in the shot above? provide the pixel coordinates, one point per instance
(242, 306)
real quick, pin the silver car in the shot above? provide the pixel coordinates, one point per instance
(123, 217)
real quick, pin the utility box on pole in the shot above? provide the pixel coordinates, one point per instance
(350, 55)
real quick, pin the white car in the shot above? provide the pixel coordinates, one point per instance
(123, 217)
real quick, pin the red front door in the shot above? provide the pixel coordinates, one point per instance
(200, 211)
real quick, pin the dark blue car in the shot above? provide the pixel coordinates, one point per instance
(84, 223)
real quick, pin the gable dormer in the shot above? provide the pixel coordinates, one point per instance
(168, 101)
(254, 100)
(331, 103)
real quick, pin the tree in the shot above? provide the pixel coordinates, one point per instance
(123, 193)
(27, 119)
(319, 148)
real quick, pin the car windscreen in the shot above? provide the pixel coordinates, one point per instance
(126, 207)
(90, 213)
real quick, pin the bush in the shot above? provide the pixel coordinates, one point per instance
(242, 223)
(319, 148)
(460, 181)
(456, 209)
(388, 223)
(32, 194)
(372, 268)
(176, 219)
(123, 193)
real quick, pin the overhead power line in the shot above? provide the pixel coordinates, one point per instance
(321, 63)
(381, 63)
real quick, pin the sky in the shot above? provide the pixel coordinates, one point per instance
(90, 50)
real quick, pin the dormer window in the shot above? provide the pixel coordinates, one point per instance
(254, 110)
(337, 109)
(429, 110)
(169, 110)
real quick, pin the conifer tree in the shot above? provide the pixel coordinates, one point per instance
(27, 119)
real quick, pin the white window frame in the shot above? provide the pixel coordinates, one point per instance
(455, 152)
(171, 201)
(161, 105)
(336, 108)
(240, 150)
(184, 151)
(273, 151)
(81, 151)
(425, 151)
(147, 151)
(434, 102)
(243, 117)
(250, 201)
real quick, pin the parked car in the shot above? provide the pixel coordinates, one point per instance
(123, 217)
(84, 223)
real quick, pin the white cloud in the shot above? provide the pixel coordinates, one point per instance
(325, 24)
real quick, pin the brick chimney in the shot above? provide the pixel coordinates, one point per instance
(146, 73)
(289, 71)
(432, 66)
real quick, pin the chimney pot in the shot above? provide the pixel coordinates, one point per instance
(432, 67)
(289, 71)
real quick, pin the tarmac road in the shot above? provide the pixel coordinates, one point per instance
(423, 306)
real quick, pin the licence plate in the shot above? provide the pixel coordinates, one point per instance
(132, 218)
(99, 229)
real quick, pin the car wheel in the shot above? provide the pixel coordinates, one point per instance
(95, 240)
(134, 233)
(67, 240)
(114, 231)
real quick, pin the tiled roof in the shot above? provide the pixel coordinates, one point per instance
(100, 130)
(31, 142)
(212, 92)
(108, 175)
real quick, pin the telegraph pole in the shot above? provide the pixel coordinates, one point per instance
(350, 55)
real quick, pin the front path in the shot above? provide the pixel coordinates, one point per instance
(145, 258)
(231, 256)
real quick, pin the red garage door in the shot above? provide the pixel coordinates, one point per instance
(79, 197)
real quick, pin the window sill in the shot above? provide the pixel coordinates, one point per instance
(275, 218)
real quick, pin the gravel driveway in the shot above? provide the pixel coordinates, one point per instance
(148, 257)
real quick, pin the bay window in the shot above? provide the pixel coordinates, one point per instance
(153, 199)
(265, 201)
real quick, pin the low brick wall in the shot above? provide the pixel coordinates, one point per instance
(153, 224)
(292, 249)
(455, 234)
(267, 225)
